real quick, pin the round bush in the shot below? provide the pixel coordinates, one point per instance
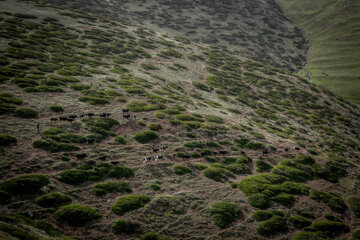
(272, 226)
(26, 113)
(181, 170)
(300, 222)
(128, 203)
(145, 136)
(153, 236)
(121, 226)
(56, 108)
(285, 199)
(262, 166)
(109, 187)
(6, 140)
(76, 215)
(53, 199)
(120, 140)
(155, 187)
(354, 203)
(24, 184)
(224, 213)
(217, 174)
(73, 176)
(5, 197)
(155, 127)
(259, 200)
(121, 172)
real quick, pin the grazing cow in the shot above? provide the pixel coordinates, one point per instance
(82, 115)
(265, 151)
(102, 158)
(286, 149)
(81, 155)
(215, 153)
(90, 114)
(297, 149)
(155, 150)
(114, 162)
(127, 116)
(223, 152)
(70, 120)
(104, 115)
(63, 118)
(53, 119)
(147, 159)
(134, 116)
(186, 157)
(90, 141)
(163, 148)
(243, 153)
(73, 116)
(158, 158)
(125, 110)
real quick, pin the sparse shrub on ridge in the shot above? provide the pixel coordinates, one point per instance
(121, 226)
(128, 203)
(145, 136)
(24, 184)
(181, 170)
(6, 140)
(26, 113)
(76, 215)
(53, 199)
(224, 213)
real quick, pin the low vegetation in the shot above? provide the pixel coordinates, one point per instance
(76, 215)
(128, 203)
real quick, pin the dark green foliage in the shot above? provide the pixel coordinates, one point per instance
(356, 235)
(202, 87)
(153, 236)
(181, 170)
(285, 199)
(94, 100)
(121, 226)
(26, 113)
(6, 140)
(76, 215)
(170, 53)
(148, 66)
(52, 200)
(128, 203)
(262, 166)
(272, 226)
(262, 215)
(224, 213)
(329, 228)
(80, 87)
(300, 222)
(121, 172)
(109, 187)
(214, 119)
(155, 127)
(145, 136)
(200, 166)
(120, 140)
(354, 203)
(5, 197)
(55, 146)
(24, 184)
(74, 176)
(334, 202)
(291, 172)
(217, 174)
(100, 126)
(310, 236)
(56, 108)
(7, 102)
(259, 183)
(259, 200)
(17, 232)
(155, 187)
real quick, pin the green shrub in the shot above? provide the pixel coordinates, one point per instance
(109, 187)
(145, 136)
(272, 226)
(26, 113)
(17, 232)
(155, 187)
(262, 215)
(120, 140)
(224, 213)
(334, 202)
(181, 170)
(55, 146)
(121, 226)
(300, 222)
(153, 236)
(80, 87)
(259, 200)
(214, 119)
(200, 166)
(5, 197)
(76, 215)
(310, 236)
(217, 174)
(262, 166)
(94, 100)
(53, 199)
(155, 127)
(128, 203)
(56, 108)
(285, 199)
(6, 140)
(329, 228)
(121, 172)
(356, 235)
(354, 203)
(24, 184)
(73, 176)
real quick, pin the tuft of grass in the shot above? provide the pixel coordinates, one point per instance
(224, 213)
(145, 136)
(76, 215)
(354, 203)
(128, 203)
(26, 113)
(6, 140)
(273, 226)
(124, 227)
(109, 187)
(56, 108)
(181, 170)
(24, 184)
(52, 200)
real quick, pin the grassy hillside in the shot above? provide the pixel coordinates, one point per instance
(253, 152)
(254, 29)
(333, 30)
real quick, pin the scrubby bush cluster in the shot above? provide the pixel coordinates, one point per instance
(109, 187)
(53, 199)
(224, 213)
(24, 184)
(128, 203)
(76, 215)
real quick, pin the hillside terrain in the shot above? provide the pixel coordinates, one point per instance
(239, 149)
(332, 28)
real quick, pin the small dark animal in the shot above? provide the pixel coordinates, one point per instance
(82, 115)
(286, 149)
(134, 116)
(73, 116)
(104, 114)
(147, 159)
(70, 120)
(297, 149)
(54, 119)
(163, 148)
(223, 152)
(265, 151)
(102, 158)
(114, 162)
(127, 116)
(215, 153)
(125, 110)
(63, 118)
(81, 155)
(90, 114)
(155, 150)
(159, 157)
(243, 153)
(90, 141)
(186, 157)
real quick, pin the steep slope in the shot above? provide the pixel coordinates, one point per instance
(254, 29)
(240, 139)
(333, 30)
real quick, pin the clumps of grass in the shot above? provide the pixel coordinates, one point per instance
(102, 189)
(143, 107)
(52, 200)
(273, 226)
(53, 146)
(214, 119)
(259, 200)
(170, 53)
(121, 172)
(218, 174)
(6, 140)
(26, 113)
(300, 222)
(202, 87)
(76, 215)
(354, 203)
(124, 227)
(262, 166)
(224, 213)
(120, 140)
(285, 199)
(181, 170)
(145, 136)
(334, 202)
(128, 203)
(56, 108)
(155, 127)
(7, 102)
(24, 184)
(262, 215)
(200, 166)
(100, 127)
(155, 187)
(148, 66)
(323, 229)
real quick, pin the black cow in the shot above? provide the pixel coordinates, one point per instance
(104, 114)
(159, 157)
(223, 152)
(125, 110)
(82, 115)
(265, 151)
(102, 158)
(286, 149)
(81, 155)
(63, 118)
(155, 150)
(90, 114)
(54, 119)
(186, 157)
(163, 148)
(73, 116)
(90, 141)
(297, 149)
(215, 153)
(147, 159)
(127, 116)
(114, 162)
(243, 153)
(70, 120)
